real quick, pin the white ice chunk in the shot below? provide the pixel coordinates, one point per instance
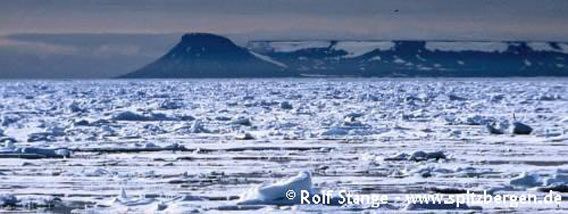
(126, 200)
(526, 180)
(275, 193)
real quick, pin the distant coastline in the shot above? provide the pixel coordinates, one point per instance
(203, 55)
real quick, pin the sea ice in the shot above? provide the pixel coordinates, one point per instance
(133, 116)
(526, 180)
(556, 179)
(32, 152)
(417, 156)
(335, 131)
(130, 116)
(286, 105)
(443, 206)
(521, 128)
(477, 120)
(422, 156)
(197, 127)
(126, 200)
(429, 171)
(244, 121)
(39, 201)
(8, 200)
(170, 105)
(494, 128)
(275, 193)
(322, 132)
(244, 136)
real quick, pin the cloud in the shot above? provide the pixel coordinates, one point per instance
(37, 47)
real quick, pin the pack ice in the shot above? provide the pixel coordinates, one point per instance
(237, 145)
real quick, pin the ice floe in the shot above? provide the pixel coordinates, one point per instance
(556, 181)
(29, 202)
(244, 136)
(33, 153)
(126, 200)
(244, 121)
(526, 180)
(495, 128)
(8, 200)
(286, 105)
(521, 128)
(417, 156)
(275, 193)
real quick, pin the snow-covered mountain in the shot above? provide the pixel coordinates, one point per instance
(203, 55)
(418, 58)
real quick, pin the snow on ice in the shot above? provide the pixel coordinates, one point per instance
(216, 145)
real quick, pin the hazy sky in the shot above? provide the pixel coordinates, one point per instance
(420, 19)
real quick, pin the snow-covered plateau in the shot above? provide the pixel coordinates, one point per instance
(205, 55)
(237, 145)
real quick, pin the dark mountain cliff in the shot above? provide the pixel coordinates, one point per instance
(202, 55)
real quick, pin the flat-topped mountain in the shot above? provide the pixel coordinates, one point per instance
(203, 55)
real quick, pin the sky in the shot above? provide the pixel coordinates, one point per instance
(106, 38)
(420, 19)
